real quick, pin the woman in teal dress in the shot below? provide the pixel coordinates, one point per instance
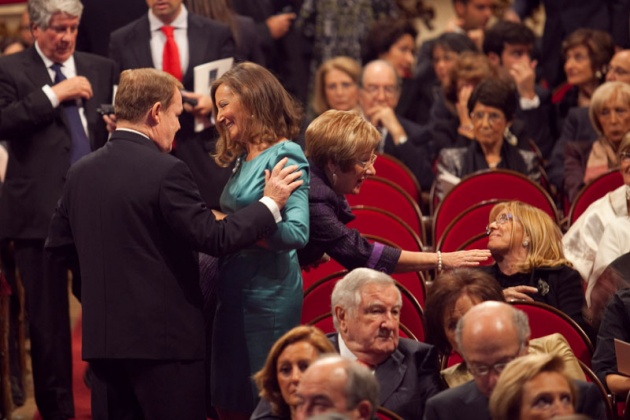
(260, 287)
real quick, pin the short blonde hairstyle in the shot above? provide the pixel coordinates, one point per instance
(606, 92)
(545, 237)
(348, 65)
(506, 399)
(340, 137)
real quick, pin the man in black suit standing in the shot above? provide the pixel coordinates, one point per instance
(489, 336)
(48, 99)
(134, 217)
(199, 40)
(405, 140)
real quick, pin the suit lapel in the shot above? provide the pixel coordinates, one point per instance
(86, 69)
(390, 374)
(139, 41)
(197, 46)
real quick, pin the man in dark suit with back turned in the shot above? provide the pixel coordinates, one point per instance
(133, 216)
(199, 40)
(48, 99)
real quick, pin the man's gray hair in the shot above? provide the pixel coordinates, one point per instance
(347, 291)
(519, 319)
(40, 12)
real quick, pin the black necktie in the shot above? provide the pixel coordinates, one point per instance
(80, 143)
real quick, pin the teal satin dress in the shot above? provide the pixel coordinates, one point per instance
(260, 288)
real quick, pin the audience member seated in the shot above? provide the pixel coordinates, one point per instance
(586, 53)
(450, 124)
(614, 243)
(289, 357)
(533, 387)
(444, 53)
(492, 106)
(530, 264)
(366, 313)
(509, 46)
(409, 142)
(489, 336)
(451, 296)
(582, 239)
(615, 325)
(340, 146)
(577, 126)
(394, 40)
(337, 385)
(609, 113)
(615, 277)
(337, 85)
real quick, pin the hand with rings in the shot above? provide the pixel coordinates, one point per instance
(519, 293)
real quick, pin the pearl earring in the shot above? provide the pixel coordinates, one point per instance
(525, 243)
(334, 178)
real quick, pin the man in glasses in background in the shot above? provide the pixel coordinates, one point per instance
(379, 92)
(489, 336)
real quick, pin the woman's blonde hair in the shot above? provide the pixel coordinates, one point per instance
(347, 65)
(274, 113)
(545, 237)
(340, 137)
(604, 93)
(506, 399)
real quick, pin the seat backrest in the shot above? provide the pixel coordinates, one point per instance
(317, 297)
(491, 184)
(606, 398)
(411, 313)
(545, 320)
(323, 270)
(379, 222)
(384, 194)
(469, 223)
(388, 167)
(594, 190)
(386, 414)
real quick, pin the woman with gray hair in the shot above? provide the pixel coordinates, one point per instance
(609, 112)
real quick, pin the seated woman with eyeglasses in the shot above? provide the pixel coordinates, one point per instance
(492, 106)
(530, 264)
(340, 147)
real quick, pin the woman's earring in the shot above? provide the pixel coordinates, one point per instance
(334, 178)
(525, 243)
(598, 74)
(509, 137)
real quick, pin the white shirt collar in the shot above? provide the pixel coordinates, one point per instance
(68, 64)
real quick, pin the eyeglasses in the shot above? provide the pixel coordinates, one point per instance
(624, 156)
(493, 117)
(500, 220)
(390, 90)
(617, 71)
(479, 369)
(365, 163)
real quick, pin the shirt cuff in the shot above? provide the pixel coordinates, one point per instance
(273, 208)
(51, 95)
(529, 103)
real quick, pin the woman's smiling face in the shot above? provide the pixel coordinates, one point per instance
(231, 113)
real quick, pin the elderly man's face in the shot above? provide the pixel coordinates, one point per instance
(379, 87)
(619, 69)
(373, 326)
(58, 41)
(165, 10)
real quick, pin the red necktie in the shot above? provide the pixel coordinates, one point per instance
(170, 55)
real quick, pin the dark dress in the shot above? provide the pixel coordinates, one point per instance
(560, 287)
(329, 214)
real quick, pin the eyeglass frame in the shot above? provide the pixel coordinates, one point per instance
(493, 117)
(365, 163)
(501, 219)
(497, 367)
(624, 155)
(389, 90)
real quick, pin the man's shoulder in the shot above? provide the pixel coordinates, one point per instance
(132, 26)
(206, 23)
(94, 58)
(407, 345)
(10, 61)
(453, 396)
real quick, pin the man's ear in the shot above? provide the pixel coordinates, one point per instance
(155, 113)
(364, 410)
(341, 315)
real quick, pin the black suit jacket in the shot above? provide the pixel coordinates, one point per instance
(39, 138)
(136, 220)
(467, 402)
(408, 378)
(208, 40)
(415, 153)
